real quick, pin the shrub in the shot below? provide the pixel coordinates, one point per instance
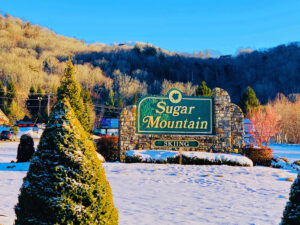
(297, 162)
(185, 161)
(291, 214)
(25, 148)
(108, 148)
(296, 165)
(259, 156)
(133, 159)
(197, 161)
(66, 182)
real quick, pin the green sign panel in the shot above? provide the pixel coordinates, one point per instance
(175, 114)
(176, 143)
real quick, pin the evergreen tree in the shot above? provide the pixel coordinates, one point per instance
(88, 106)
(203, 90)
(32, 103)
(66, 182)
(42, 116)
(249, 103)
(112, 102)
(39, 91)
(32, 90)
(12, 107)
(2, 97)
(37, 105)
(11, 92)
(15, 112)
(69, 88)
(291, 214)
(111, 98)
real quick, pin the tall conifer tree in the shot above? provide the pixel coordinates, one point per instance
(66, 182)
(70, 89)
(249, 102)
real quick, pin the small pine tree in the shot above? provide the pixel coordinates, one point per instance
(111, 103)
(249, 102)
(11, 92)
(37, 105)
(111, 98)
(69, 88)
(291, 214)
(203, 90)
(32, 103)
(66, 182)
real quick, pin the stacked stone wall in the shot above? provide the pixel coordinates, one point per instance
(228, 130)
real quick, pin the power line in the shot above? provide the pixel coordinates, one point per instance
(46, 99)
(26, 93)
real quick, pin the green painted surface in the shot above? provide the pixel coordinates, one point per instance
(176, 143)
(175, 114)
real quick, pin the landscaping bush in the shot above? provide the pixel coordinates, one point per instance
(259, 156)
(291, 214)
(108, 148)
(65, 183)
(197, 161)
(25, 148)
(185, 161)
(133, 159)
(296, 165)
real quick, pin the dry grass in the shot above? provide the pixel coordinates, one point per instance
(31, 55)
(290, 179)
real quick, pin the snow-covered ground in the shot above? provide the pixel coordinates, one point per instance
(291, 152)
(174, 194)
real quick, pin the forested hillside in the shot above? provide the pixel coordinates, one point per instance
(268, 72)
(31, 56)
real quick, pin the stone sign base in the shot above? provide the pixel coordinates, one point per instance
(228, 131)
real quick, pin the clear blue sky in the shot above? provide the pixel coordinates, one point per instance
(175, 25)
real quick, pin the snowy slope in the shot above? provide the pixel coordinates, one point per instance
(174, 194)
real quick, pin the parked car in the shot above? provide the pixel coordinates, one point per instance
(7, 135)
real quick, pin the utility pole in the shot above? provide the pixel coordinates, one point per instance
(40, 99)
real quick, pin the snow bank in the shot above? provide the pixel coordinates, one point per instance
(163, 156)
(280, 162)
